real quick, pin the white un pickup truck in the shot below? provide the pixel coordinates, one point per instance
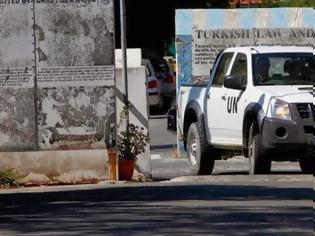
(259, 102)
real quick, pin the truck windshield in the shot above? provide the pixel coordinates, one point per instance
(284, 69)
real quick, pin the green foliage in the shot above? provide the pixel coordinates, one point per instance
(269, 3)
(131, 144)
(217, 3)
(132, 141)
(8, 178)
(297, 3)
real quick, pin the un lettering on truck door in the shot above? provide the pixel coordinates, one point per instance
(232, 104)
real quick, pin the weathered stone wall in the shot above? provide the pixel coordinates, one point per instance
(57, 166)
(56, 75)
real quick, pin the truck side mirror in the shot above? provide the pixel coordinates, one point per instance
(234, 82)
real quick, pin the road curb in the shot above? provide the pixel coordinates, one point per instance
(157, 117)
(165, 146)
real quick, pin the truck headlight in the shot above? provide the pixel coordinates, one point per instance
(279, 109)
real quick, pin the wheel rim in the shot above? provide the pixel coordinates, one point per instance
(193, 151)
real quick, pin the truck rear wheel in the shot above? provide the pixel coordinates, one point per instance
(258, 161)
(307, 165)
(198, 151)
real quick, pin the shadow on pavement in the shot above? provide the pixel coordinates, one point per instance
(277, 172)
(202, 209)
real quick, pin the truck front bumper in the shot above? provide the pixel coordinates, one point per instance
(287, 138)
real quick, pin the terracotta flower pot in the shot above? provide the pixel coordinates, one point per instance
(125, 169)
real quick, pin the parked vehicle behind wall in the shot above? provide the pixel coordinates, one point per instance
(167, 80)
(154, 98)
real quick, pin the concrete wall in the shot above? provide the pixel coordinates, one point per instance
(57, 166)
(190, 21)
(87, 165)
(137, 98)
(74, 87)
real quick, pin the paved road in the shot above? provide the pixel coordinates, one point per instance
(211, 205)
(166, 165)
(227, 203)
(159, 136)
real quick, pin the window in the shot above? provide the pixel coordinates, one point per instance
(284, 69)
(240, 67)
(222, 68)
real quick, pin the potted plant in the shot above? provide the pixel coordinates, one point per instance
(131, 141)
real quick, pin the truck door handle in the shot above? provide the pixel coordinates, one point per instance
(223, 97)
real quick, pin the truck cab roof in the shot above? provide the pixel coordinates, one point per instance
(271, 49)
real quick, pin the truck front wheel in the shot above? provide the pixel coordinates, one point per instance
(200, 160)
(258, 161)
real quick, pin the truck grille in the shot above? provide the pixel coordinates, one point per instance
(306, 110)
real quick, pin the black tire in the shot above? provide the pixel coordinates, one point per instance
(258, 160)
(307, 165)
(198, 151)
